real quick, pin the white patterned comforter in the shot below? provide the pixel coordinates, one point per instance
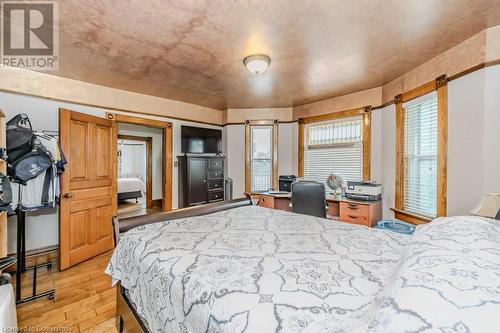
(253, 269)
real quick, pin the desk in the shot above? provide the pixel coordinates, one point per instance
(366, 213)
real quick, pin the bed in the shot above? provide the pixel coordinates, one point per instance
(130, 188)
(253, 269)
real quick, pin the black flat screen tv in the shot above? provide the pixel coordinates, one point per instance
(197, 140)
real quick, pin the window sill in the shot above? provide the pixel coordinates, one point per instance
(410, 217)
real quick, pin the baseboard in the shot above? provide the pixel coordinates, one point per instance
(156, 203)
(38, 256)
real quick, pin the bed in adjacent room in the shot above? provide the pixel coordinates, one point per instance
(130, 188)
(253, 269)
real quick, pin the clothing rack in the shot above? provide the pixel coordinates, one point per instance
(21, 260)
(20, 213)
(50, 132)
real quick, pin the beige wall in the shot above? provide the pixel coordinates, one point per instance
(492, 44)
(465, 55)
(481, 48)
(240, 115)
(340, 103)
(62, 89)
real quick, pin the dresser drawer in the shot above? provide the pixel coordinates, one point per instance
(354, 218)
(214, 174)
(355, 213)
(354, 209)
(215, 164)
(215, 196)
(217, 184)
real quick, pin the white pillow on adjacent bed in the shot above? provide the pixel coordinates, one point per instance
(449, 271)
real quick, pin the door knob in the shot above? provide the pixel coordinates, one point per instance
(68, 195)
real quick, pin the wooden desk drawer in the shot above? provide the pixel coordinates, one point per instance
(217, 184)
(347, 208)
(266, 201)
(333, 208)
(353, 218)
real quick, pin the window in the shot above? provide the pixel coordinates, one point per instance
(421, 146)
(338, 142)
(334, 147)
(262, 158)
(261, 151)
(420, 155)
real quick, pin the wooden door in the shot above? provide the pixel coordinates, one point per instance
(88, 187)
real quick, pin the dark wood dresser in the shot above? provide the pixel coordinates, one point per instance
(201, 179)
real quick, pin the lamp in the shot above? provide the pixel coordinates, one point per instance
(489, 205)
(257, 63)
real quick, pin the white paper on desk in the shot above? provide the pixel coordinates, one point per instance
(8, 318)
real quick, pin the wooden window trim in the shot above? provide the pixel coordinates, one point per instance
(410, 217)
(440, 85)
(248, 150)
(366, 112)
(167, 150)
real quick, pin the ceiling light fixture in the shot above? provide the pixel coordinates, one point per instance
(257, 63)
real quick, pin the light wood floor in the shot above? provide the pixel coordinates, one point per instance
(130, 205)
(130, 208)
(85, 300)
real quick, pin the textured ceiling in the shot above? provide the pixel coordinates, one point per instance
(192, 51)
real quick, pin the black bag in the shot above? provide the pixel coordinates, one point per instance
(19, 137)
(5, 193)
(31, 165)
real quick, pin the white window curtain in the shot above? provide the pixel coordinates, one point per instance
(334, 147)
(420, 155)
(262, 158)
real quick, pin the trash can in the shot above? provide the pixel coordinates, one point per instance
(396, 226)
(228, 189)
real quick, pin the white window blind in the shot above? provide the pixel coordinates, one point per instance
(262, 158)
(420, 155)
(334, 147)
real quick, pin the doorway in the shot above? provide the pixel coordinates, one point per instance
(135, 173)
(160, 159)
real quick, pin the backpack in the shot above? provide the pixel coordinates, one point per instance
(5, 193)
(31, 165)
(19, 137)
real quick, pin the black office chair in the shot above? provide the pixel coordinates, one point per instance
(309, 198)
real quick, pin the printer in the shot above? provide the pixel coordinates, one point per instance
(364, 190)
(285, 182)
